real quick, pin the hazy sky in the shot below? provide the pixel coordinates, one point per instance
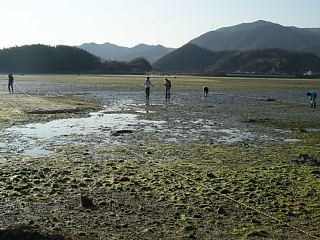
(171, 23)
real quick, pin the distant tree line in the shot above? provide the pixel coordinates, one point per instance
(189, 58)
(40, 58)
(47, 59)
(136, 65)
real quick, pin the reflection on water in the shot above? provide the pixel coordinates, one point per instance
(64, 131)
(65, 127)
(99, 128)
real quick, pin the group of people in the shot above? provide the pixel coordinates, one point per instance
(311, 94)
(167, 85)
(148, 85)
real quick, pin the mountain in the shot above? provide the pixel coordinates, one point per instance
(108, 51)
(189, 58)
(258, 35)
(151, 53)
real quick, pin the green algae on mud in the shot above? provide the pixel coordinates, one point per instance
(285, 124)
(174, 191)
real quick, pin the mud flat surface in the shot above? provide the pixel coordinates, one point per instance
(100, 161)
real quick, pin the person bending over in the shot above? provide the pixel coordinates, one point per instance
(205, 91)
(312, 98)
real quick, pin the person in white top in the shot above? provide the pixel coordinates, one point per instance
(148, 84)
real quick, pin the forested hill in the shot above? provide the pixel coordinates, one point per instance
(258, 35)
(47, 59)
(189, 58)
(192, 58)
(268, 60)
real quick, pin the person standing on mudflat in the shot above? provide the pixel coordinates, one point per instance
(205, 91)
(10, 83)
(148, 84)
(168, 87)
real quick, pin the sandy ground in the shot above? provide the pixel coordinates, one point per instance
(34, 105)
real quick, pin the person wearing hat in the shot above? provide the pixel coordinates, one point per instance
(168, 87)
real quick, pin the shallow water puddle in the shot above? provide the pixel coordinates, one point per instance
(61, 131)
(103, 127)
(36, 151)
(71, 126)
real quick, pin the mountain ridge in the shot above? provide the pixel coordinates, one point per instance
(109, 51)
(260, 34)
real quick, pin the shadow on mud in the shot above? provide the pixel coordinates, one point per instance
(27, 232)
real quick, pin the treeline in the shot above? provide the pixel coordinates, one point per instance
(192, 58)
(136, 65)
(47, 59)
(189, 58)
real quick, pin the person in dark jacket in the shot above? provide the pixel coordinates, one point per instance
(168, 87)
(10, 83)
(205, 91)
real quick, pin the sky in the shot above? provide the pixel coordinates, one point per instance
(127, 23)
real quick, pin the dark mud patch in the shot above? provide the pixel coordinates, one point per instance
(304, 158)
(121, 132)
(267, 100)
(45, 111)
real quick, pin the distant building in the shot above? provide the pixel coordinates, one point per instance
(309, 73)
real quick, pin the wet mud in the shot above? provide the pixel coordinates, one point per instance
(142, 168)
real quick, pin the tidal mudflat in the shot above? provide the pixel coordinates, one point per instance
(89, 157)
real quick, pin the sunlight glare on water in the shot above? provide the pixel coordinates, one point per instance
(70, 126)
(33, 134)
